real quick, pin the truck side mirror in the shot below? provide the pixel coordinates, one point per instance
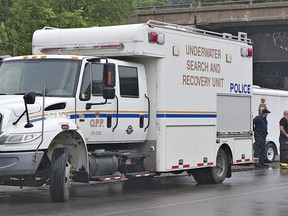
(108, 92)
(109, 75)
(109, 81)
(29, 97)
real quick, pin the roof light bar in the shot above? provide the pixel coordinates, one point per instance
(110, 46)
(50, 50)
(100, 46)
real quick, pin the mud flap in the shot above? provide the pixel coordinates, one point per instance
(229, 172)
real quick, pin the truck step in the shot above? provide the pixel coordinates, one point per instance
(108, 178)
(140, 174)
(122, 177)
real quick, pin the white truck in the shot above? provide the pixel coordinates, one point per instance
(276, 101)
(121, 102)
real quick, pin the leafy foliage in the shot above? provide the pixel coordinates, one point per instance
(20, 18)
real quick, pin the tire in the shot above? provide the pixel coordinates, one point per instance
(199, 175)
(218, 173)
(60, 175)
(215, 174)
(270, 153)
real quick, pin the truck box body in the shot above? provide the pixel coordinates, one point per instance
(185, 76)
(276, 101)
(182, 95)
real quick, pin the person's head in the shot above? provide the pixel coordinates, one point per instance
(285, 113)
(265, 112)
(262, 100)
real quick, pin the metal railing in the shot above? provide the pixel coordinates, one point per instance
(241, 35)
(204, 3)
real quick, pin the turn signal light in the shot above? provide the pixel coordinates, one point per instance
(65, 127)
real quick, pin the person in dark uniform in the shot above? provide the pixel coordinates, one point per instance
(283, 140)
(260, 124)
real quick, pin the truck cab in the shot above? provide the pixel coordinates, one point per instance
(78, 96)
(71, 94)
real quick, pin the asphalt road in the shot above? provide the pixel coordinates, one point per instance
(258, 192)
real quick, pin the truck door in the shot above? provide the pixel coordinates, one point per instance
(131, 119)
(93, 115)
(122, 119)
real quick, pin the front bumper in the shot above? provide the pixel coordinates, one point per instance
(19, 163)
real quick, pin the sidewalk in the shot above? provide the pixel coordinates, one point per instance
(250, 167)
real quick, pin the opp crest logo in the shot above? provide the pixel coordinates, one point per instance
(129, 129)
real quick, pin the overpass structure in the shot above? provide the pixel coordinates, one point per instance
(265, 23)
(221, 15)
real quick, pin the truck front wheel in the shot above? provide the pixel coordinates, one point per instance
(60, 175)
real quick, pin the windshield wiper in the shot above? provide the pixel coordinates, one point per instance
(2, 94)
(23, 93)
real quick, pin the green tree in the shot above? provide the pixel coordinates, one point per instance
(18, 23)
(80, 13)
(20, 18)
(146, 3)
(68, 13)
(5, 35)
(108, 12)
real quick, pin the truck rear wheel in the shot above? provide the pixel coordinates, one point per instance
(270, 153)
(60, 175)
(200, 175)
(218, 173)
(215, 174)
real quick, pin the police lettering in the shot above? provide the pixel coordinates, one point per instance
(97, 123)
(240, 88)
(56, 115)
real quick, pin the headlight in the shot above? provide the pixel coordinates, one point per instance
(19, 138)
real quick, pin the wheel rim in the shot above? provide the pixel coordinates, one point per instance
(67, 180)
(220, 165)
(270, 153)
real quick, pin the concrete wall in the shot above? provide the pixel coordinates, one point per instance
(215, 16)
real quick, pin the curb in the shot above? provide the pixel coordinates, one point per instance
(245, 167)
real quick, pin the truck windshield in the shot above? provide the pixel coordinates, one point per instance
(58, 75)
